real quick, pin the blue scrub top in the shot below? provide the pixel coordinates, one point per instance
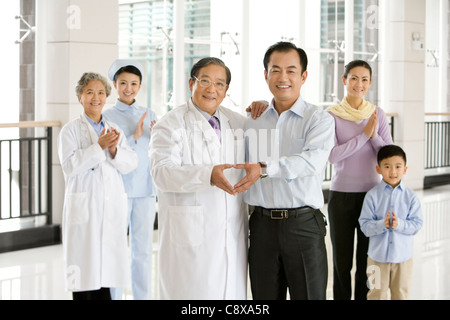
(138, 183)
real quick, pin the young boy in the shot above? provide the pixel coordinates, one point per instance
(390, 216)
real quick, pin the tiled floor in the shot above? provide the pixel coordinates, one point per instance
(37, 274)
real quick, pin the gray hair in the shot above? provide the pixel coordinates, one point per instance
(91, 76)
(206, 62)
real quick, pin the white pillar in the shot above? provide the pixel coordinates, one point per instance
(443, 55)
(349, 32)
(404, 81)
(179, 74)
(245, 53)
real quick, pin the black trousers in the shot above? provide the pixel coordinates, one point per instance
(288, 253)
(344, 210)
(100, 294)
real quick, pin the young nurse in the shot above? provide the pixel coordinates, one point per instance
(135, 121)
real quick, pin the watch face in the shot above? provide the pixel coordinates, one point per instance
(263, 170)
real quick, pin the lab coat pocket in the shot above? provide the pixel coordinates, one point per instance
(76, 207)
(186, 225)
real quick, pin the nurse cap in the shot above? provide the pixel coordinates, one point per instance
(120, 63)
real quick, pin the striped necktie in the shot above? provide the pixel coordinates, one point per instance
(214, 122)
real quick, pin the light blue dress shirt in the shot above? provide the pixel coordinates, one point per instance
(295, 146)
(391, 245)
(98, 127)
(138, 183)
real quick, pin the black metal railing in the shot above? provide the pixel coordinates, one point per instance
(26, 174)
(437, 143)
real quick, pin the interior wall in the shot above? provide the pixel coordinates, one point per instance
(76, 36)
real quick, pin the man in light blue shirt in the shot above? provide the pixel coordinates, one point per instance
(390, 216)
(295, 167)
(287, 148)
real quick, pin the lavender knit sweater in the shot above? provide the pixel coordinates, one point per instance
(354, 156)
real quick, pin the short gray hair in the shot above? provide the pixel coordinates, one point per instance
(206, 62)
(91, 76)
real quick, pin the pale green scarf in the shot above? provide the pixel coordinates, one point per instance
(346, 112)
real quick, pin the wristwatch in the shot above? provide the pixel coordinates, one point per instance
(263, 170)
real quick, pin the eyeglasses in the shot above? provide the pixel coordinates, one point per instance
(206, 83)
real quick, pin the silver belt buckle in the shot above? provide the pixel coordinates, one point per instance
(278, 214)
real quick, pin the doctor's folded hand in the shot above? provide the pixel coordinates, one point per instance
(219, 180)
(109, 139)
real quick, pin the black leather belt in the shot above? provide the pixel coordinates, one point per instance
(279, 214)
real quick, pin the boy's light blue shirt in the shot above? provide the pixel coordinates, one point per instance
(295, 145)
(139, 182)
(388, 245)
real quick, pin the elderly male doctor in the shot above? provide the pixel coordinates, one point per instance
(203, 224)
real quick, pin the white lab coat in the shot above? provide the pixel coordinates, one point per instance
(95, 208)
(203, 231)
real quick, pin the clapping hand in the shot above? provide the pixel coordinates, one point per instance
(139, 127)
(109, 139)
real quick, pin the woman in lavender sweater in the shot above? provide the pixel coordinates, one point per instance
(361, 130)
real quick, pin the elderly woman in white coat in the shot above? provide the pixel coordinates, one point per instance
(93, 154)
(203, 224)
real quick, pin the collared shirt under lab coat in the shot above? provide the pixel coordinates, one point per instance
(203, 230)
(298, 144)
(95, 208)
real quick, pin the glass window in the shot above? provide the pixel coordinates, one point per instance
(145, 34)
(365, 42)
(334, 44)
(146, 26)
(332, 37)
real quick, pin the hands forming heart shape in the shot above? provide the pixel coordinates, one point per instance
(253, 172)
